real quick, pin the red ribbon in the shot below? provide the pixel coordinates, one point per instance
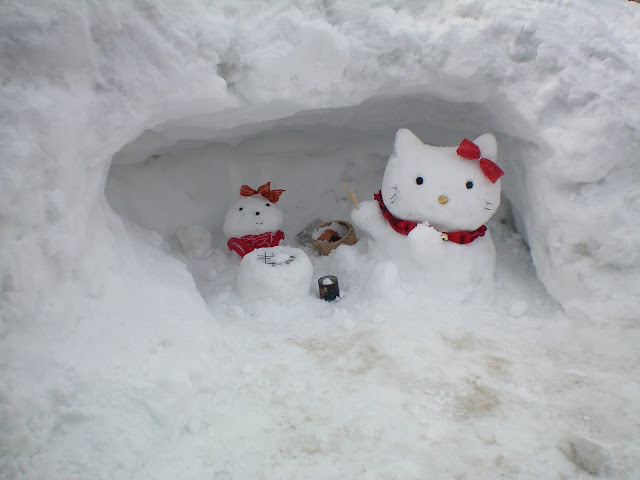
(249, 243)
(470, 150)
(264, 190)
(405, 226)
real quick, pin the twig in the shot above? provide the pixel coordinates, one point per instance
(352, 196)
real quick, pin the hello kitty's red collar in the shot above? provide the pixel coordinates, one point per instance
(405, 226)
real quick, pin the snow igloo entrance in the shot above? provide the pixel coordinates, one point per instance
(188, 171)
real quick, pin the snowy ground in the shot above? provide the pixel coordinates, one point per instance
(120, 357)
(411, 387)
(362, 389)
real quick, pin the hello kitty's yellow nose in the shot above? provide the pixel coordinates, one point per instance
(442, 199)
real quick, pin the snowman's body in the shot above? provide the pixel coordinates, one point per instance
(280, 273)
(428, 192)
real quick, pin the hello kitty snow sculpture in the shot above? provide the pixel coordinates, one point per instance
(254, 221)
(427, 222)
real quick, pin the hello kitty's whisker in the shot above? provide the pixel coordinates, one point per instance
(393, 198)
(395, 188)
(489, 203)
(487, 208)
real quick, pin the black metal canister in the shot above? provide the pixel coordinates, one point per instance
(328, 286)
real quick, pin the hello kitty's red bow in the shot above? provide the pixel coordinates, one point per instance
(264, 190)
(470, 150)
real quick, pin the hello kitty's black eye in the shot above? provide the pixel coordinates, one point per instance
(240, 209)
(469, 185)
(257, 213)
(268, 204)
(419, 181)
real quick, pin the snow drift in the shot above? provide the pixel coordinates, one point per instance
(79, 82)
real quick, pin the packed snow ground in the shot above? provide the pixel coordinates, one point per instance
(117, 361)
(406, 387)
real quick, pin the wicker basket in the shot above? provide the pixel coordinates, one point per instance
(349, 238)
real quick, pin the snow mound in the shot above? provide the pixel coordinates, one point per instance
(195, 241)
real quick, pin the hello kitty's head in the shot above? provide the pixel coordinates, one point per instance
(451, 188)
(254, 214)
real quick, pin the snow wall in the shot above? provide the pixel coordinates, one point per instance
(79, 82)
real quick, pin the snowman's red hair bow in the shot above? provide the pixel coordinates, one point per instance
(470, 150)
(264, 190)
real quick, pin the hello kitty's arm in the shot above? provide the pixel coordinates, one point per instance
(369, 218)
(425, 244)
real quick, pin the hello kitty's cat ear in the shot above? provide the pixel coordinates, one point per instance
(488, 145)
(406, 141)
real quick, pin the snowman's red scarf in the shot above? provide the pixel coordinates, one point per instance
(249, 243)
(405, 226)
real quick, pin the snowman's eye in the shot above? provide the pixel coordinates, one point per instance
(257, 213)
(469, 185)
(240, 209)
(419, 181)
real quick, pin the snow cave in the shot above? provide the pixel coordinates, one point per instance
(122, 357)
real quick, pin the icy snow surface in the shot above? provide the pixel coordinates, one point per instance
(120, 357)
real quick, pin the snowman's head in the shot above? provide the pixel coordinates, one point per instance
(252, 215)
(451, 188)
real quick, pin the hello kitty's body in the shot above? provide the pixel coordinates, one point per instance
(429, 191)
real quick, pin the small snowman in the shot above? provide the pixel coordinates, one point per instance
(254, 221)
(268, 270)
(427, 221)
